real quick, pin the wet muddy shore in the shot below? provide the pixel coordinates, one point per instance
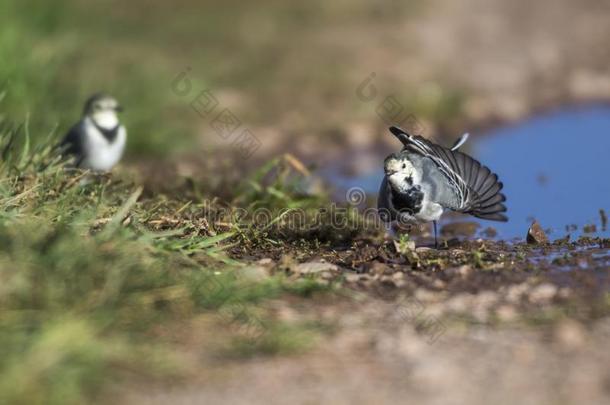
(475, 321)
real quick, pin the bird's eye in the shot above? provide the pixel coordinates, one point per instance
(404, 166)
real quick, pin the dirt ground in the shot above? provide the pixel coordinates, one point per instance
(476, 322)
(523, 324)
(376, 359)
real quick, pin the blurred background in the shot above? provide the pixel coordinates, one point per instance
(290, 72)
(323, 81)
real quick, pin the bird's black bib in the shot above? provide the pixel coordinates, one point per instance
(410, 202)
(109, 134)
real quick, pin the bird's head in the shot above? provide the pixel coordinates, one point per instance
(400, 171)
(103, 109)
(397, 163)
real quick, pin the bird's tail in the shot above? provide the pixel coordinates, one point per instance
(485, 196)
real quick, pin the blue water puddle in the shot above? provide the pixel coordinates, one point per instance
(555, 168)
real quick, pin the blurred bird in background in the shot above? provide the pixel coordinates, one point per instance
(97, 141)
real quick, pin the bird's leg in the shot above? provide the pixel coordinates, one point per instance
(435, 239)
(390, 233)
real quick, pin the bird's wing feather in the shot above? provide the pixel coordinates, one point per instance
(448, 162)
(383, 202)
(73, 142)
(462, 140)
(476, 187)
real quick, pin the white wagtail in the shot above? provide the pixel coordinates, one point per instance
(425, 178)
(97, 141)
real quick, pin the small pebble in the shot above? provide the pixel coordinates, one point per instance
(515, 292)
(536, 235)
(570, 335)
(265, 261)
(314, 267)
(254, 273)
(506, 313)
(462, 271)
(543, 293)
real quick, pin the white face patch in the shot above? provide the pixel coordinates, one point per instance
(405, 175)
(106, 119)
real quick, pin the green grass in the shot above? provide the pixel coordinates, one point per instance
(85, 278)
(89, 272)
(56, 54)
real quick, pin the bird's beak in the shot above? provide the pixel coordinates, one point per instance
(119, 108)
(389, 169)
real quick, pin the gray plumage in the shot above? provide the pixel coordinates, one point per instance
(424, 179)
